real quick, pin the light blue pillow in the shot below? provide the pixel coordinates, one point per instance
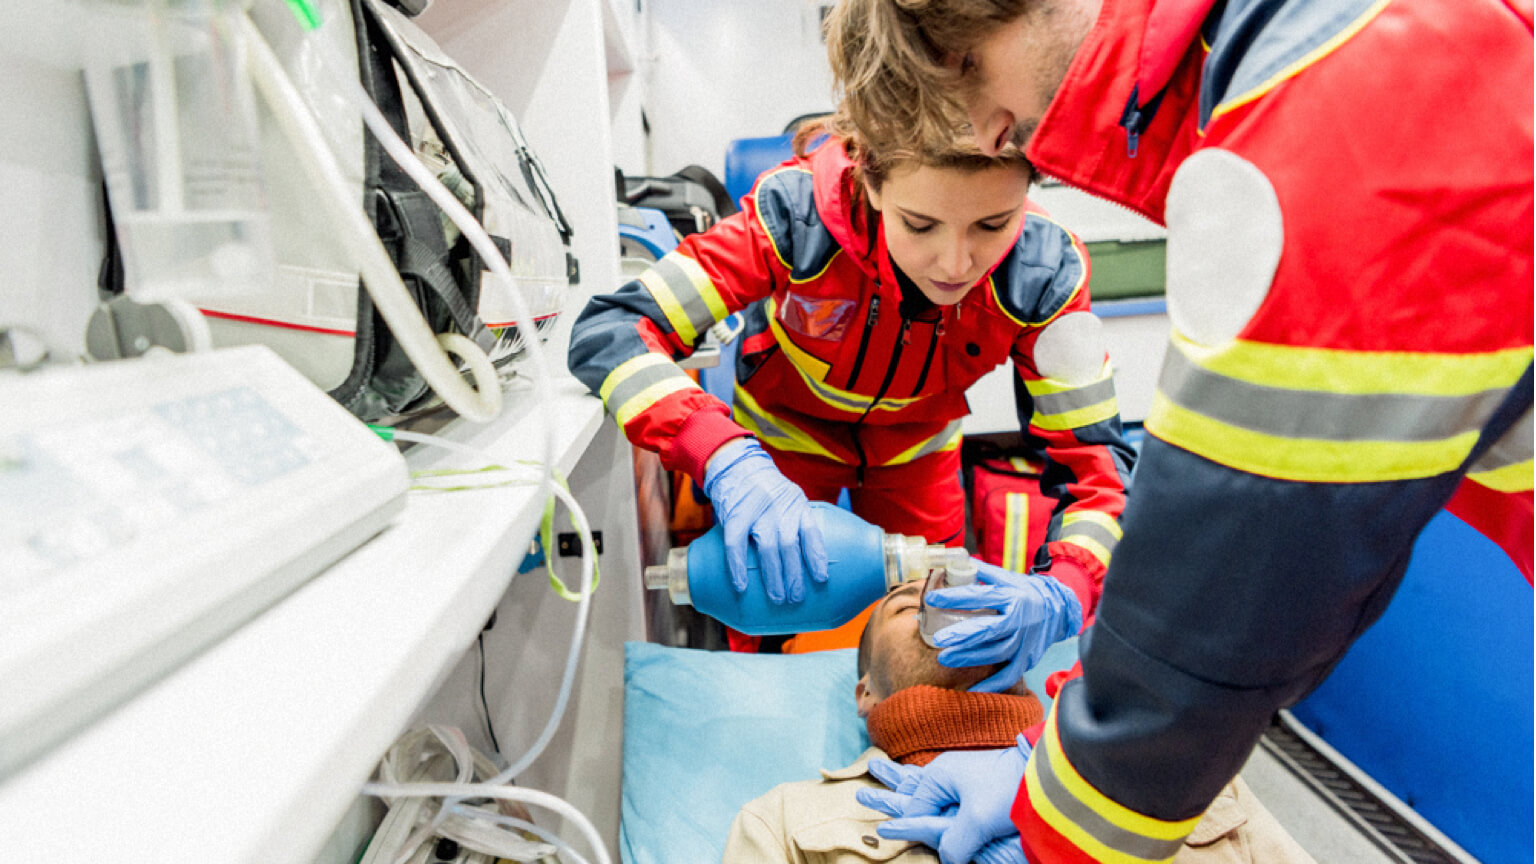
(707, 731)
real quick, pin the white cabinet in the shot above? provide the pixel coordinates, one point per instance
(255, 751)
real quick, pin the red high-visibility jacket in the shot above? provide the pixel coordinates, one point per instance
(834, 363)
(1347, 186)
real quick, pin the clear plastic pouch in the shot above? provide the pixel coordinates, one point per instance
(175, 123)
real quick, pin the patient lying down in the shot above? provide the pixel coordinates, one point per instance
(914, 710)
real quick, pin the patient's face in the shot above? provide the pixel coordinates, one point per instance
(899, 657)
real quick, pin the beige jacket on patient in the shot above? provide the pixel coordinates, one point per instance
(817, 821)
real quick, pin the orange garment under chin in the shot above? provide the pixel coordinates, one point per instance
(916, 724)
(846, 636)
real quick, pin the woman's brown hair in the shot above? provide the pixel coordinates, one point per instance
(897, 62)
(954, 150)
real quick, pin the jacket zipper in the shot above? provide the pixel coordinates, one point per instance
(885, 384)
(869, 329)
(933, 345)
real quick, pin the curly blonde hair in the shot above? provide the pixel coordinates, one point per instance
(897, 63)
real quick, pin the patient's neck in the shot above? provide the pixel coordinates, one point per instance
(916, 724)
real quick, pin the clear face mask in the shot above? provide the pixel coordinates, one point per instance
(931, 620)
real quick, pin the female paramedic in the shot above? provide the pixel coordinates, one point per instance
(876, 288)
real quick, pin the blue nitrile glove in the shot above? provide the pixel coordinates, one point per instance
(1003, 850)
(959, 804)
(1036, 612)
(752, 499)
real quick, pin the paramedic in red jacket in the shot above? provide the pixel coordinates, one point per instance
(875, 289)
(1347, 186)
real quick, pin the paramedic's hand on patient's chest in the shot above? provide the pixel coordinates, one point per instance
(958, 804)
(1035, 612)
(756, 503)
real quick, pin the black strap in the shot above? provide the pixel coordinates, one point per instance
(724, 206)
(109, 279)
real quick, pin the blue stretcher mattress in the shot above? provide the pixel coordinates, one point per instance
(707, 731)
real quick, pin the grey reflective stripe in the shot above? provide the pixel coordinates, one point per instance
(766, 426)
(1071, 400)
(848, 401)
(1323, 416)
(1101, 829)
(1093, 531)
(1515, 447)
(937, 442)
(631, 386)
(685, 291)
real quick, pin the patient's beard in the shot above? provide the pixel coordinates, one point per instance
(918, 723)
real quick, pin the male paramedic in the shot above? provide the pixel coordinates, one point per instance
(915, 709)
(1347, 186)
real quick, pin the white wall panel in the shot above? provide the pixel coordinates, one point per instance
(727, 69)
(50, 184)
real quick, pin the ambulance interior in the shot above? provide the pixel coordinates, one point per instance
(235, 621)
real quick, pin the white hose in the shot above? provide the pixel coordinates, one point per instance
(584, 531)
(486, 790)
(521, 825)
(482, 402)
(583, 607)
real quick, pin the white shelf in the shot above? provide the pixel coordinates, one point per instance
(255, 750)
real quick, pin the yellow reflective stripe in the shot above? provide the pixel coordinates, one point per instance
(629, 369)
(640, 382)
(807, 364)
(1308, 460)
(702, 284)
(1038, 387)
(1093, 546)
(1510, 478)
(650, 396)
(948, 438)
(685, 294)
(1094, 531)
(1088, 819)
(1093, 517)
(1329, 370)
(1077, 418)
(1060, 406)
(813, 371)
(853, 403)
(1295, 68)
(1016, 531)
(671, 307)
(775, 431)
